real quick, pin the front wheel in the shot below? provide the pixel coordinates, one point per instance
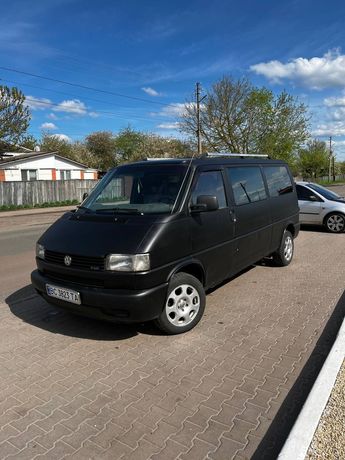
(184, 306)
(335, 223)
(284, 255)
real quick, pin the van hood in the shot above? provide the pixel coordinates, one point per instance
(96, 235)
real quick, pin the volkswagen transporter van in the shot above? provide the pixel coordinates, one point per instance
(153, 236)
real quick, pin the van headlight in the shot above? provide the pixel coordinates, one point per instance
(128, 262)
(40, 251)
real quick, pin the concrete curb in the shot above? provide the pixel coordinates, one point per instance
(301, 435)
(27, 212)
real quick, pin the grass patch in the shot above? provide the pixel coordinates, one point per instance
(326, 183)
(53, 204)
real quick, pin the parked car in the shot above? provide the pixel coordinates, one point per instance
(320, 206)
(153, 236)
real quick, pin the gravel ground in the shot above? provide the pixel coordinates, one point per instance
(329, 438)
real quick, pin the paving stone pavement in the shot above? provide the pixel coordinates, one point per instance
(80, 389)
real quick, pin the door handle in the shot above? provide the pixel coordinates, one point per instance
(233, 215)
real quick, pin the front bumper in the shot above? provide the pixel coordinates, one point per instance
(116, 305)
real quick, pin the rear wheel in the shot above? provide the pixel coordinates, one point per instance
(184, 306)
(284, 255)
(335, 222)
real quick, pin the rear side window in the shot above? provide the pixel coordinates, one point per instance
(247, 184)
(209, 183)
(278, 180)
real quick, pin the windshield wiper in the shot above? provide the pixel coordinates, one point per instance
(121, 210)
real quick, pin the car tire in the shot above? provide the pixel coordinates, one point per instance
(184, 305)
(335, 222)
(284, 255)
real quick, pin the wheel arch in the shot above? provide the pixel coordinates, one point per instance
(332, 212)
(193, 268)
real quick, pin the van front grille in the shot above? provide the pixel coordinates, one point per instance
(83, 281)
(80, 262)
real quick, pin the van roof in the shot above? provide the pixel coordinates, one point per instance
(211, 160)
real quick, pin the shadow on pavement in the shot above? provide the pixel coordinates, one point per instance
(32, 309)
(276, 435)
(314, 228)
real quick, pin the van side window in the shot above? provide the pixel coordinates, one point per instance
(278, 180)
(247, 185)
(210, 183)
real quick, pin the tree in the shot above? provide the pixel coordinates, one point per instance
(129, 145)
(341, 167)
(14, 116)
(134, 145)
(29, 142)
(238, 117)
(313, 161)
(53, 143)
(101, 145)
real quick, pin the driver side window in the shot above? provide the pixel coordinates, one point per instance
(209, 183)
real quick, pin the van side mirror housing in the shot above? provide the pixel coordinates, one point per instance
(205, 203)
(85, 195)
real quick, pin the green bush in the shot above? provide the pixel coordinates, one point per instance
(13, 207)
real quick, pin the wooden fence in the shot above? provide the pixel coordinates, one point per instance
(45, 191)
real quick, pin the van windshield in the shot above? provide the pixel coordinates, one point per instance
(145, 189)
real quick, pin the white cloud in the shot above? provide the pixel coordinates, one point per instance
(336, 128)
(174, 125)
(37, 103)
(315, 73)
(339, 143)
(151, 91)
(176, 109)
(335, 101)
(71, 106)
(62, 137)
(49, 126)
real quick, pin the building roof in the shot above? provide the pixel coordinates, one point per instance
(17, 157)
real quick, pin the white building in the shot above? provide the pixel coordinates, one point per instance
(41, 166)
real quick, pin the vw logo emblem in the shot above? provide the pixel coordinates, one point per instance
(68, 260)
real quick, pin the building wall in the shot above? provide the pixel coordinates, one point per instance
(48, 168)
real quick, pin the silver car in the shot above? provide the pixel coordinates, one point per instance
(320, 206)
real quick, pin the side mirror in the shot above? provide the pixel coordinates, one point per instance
(205, 203)
(85, 195)
(313, 198)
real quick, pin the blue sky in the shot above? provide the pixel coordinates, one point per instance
(156, 51)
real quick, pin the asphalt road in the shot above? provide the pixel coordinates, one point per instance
(18, 236)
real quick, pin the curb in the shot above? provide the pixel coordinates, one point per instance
(297, 444)
(27, 212)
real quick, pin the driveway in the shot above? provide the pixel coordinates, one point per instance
(230, 388)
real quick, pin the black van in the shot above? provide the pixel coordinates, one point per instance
(154, 235)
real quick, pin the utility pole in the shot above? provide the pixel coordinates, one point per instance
(198, 122)
(330, 159)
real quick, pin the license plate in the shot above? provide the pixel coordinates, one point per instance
(63, 294)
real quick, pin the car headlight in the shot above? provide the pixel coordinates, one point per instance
(40, 251)
(127, 262)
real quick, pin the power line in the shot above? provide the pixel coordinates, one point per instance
(77, 85)
(85, 111)
(63, 92)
